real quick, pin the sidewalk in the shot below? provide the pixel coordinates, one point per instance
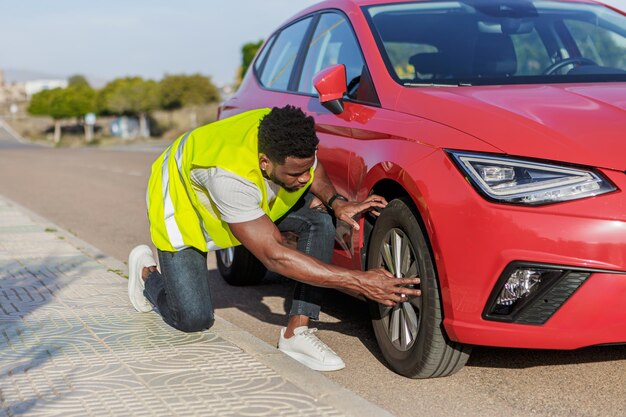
(72, 345)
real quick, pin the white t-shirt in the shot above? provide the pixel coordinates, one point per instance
(237, 199)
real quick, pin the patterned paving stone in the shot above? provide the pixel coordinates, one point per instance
(71, 345)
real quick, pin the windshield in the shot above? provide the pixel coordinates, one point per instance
(482, 42)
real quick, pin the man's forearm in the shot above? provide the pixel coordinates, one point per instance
(304, 268)
(263, 239)
(378, 285)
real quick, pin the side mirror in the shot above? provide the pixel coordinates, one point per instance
(331, 85)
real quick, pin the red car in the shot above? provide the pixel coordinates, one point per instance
(496, 129)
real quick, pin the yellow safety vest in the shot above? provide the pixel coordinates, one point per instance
(177, 218)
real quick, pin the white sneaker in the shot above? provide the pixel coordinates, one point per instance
(139, 258)
(307, 349)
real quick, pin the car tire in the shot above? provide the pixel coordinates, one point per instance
(239, 267)
(411, 335)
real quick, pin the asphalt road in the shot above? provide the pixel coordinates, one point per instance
(99, 195)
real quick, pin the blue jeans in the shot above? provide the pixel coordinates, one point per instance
(181, 290)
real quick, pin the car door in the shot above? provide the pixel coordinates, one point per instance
(283, 73)
(333, 42)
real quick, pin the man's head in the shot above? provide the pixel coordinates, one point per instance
(287, 145)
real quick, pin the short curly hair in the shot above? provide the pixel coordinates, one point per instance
(287, 131)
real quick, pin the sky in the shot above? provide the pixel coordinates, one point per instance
(107, 39)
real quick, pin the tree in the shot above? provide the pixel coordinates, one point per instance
(78, 80)
(63, 103)
(248, 52)
(80, 99)
(130, 96)
(50, 103)
(179, 91)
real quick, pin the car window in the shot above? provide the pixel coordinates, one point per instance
(332, 43)
(400, 54)
(605, 47)
(532, 55)
(261, 58)
(282, 56)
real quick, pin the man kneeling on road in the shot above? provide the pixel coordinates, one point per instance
(244, 180)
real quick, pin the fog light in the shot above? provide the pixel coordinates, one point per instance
(520, 283)
(530, 293)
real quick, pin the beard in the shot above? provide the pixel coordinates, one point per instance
(290, 189)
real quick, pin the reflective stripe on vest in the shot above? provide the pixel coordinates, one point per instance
(177, 217)
(174, 233)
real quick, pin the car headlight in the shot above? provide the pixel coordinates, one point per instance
(519, 181)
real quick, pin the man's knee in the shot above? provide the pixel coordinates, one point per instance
(195, 322)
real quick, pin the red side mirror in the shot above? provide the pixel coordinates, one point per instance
(331, 85)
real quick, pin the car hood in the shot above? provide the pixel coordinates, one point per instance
(581, 124)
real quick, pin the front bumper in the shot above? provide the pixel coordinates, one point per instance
(593, 315)
(474, 241)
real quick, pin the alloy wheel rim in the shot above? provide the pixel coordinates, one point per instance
(226, 256)
(401, 322)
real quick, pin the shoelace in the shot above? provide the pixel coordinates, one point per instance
(319, 345)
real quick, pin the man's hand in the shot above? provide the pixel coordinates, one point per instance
(346, 210)
(381, 286)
